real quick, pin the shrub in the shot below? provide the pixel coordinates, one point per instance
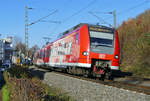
(134, 37)
(22, 86)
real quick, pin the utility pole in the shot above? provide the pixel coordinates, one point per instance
(27, 24)
(26, 27)
(114, 15)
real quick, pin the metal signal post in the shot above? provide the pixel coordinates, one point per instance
(114, 15)
(26, 27)
(39, 20)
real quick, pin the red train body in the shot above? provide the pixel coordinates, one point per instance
(84, 49)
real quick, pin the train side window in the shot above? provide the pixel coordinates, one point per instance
(70, 48)
(45, 51)
(77, 38)
(65, 45)
(48, 52)
(40, 55)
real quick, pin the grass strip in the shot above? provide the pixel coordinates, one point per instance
(5, 93)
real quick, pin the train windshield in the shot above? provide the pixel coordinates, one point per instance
(101, 39)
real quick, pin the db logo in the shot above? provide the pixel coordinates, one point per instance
(102, 56)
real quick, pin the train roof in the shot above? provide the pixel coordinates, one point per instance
(76, 27)
(81, 24)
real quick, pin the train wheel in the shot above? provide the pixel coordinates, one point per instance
(69, 70)
(108, 75)
(102, 78)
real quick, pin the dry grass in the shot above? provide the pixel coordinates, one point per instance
(22, 86)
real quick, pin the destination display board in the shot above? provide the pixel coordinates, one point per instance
(101, 29)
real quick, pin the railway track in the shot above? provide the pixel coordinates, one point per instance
(127, 83)
(119, 84)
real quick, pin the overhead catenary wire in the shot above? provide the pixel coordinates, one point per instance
(51, 21)
(74, 14)
(40, 19)
(99, 18)
(134, 7)
(79, 11)
(129, 9)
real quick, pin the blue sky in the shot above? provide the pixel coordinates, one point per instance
(69, 13)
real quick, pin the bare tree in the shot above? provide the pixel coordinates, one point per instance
(32, 50)
(16, 40)
(20, 47)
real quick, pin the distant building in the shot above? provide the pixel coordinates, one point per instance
(6, 50)
(1, 51)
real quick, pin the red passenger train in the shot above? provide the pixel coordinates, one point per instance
(83, 50)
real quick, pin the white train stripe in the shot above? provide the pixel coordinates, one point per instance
(86, 65)
(64, 65)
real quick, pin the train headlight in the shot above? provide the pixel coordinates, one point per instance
(116, 56)
(85, 53)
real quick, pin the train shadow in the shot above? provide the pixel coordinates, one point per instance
(39, 73)
(119, 74)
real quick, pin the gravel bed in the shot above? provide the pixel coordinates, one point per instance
(83, 90)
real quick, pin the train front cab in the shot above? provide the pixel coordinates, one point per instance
(100, 50)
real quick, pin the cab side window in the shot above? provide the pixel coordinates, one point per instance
(77, 38)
